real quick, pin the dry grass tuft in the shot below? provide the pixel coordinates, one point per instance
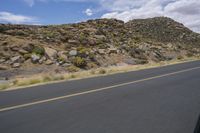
(44, 78)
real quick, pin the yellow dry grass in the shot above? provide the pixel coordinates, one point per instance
(49, 78)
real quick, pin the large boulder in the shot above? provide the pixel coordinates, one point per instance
(51, 53)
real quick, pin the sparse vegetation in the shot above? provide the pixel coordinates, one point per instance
(102, 71)
(79, 62)
(73, 48)
(38, 50)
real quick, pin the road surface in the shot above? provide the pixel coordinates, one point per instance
(158, 100)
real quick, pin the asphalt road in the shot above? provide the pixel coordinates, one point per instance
(159, 100)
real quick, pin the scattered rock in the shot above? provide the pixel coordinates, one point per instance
(35, 58)
(42, 59)
(101, 51)
(100, 37)
(14, 48)
(112, 51)
(16, 59)
(49, 62)
(2, 60)
(3, 67)
(73, 42)
(63, 56)
(16, 65)
(22, 51)
(130, 61)
(51, 53)
(73, 53)
(66, 65)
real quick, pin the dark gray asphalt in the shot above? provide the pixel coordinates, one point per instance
(165, 105)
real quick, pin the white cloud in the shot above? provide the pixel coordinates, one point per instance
(15, 18)
(88, 12)
(185, 11)
(30, 2)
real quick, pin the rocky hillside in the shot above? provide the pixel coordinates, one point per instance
(26, 49)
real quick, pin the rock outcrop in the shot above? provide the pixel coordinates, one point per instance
(95, 43)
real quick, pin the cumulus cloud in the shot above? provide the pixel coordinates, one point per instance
(15, 18)
(184, 11)
(88, 12)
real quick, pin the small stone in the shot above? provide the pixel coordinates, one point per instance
(42, 59)
(35, 58)
(15, 59)
(2, 60)
(112, 51)
(73, 41)
(73, 53)
(48, 62)
(3, 67)
(101, 51)
(62, 55)
(14, 48)
(16, 65)
(66, 64)
(22, 51)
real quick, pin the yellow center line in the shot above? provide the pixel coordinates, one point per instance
(95, 90)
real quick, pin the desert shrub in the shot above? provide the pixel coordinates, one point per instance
(58, 77)
(38, 50)
(179, 57)
(3, 28)
(91, 65)
(20, 33)
(92, 72)
(4, 86)
(189, 54)
(73, 69)
(79, 62)
(47, 78)
(34, 81)
(83, 52)
(27, 56)
(92, 56)
(102, 71)
(137, 39)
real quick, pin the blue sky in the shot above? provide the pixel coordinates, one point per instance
(51, 12)
(72, 11)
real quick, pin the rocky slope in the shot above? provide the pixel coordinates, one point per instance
(26, 49)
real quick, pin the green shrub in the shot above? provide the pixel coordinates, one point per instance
(58, 77)
(83, 52)
(73, 69)
(27, 56)
(38, 50)
(180, 57)
(92, 65)
(79, 62)
(102, 71)
(4, 86)
(47, 78)
(35, 81)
